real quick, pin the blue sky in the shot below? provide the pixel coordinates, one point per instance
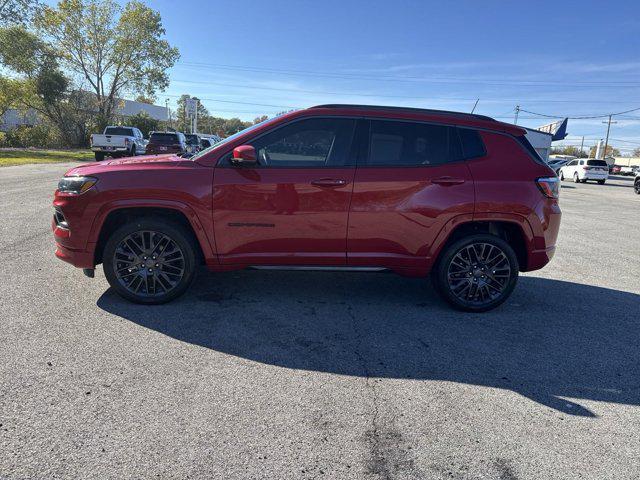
(552, 57)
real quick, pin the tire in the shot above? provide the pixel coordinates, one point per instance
(601, 182)
(99, 156)
(575, 178)
(561, 176)
(448, 263)
(636, 187)
(133, 151)
(147, 282)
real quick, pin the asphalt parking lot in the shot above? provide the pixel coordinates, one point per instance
(281, 375)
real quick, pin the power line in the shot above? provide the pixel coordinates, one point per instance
(583, 117)
(410, 79)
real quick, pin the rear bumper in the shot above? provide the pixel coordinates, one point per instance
(539, 258)
(594, 176)
(109, 150)
(545, 225)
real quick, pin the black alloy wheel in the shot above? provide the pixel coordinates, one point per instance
(149, 261)
(477, 273)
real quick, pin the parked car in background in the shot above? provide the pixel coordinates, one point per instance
(614, 169)
(167, 142)
(557, 164)
(581, 170)
(194, 143)
(629, 170)
(332, 187)
(210, 140)
(118, 142)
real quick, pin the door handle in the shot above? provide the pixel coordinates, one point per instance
(328, 182)
(445, 181)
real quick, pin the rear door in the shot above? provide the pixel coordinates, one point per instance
(411, 183)
(291, 208)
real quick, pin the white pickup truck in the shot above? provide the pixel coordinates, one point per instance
(118, 142)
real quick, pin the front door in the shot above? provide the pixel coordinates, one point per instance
(292, 207)
(412, 182)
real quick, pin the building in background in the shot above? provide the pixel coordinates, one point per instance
(125, 108)
(542, 137)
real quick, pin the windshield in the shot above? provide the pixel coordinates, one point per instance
(163, 138)
(231, 138)
(192, 139)
(118, 131)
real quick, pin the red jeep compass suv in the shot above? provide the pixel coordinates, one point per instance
(332, 187)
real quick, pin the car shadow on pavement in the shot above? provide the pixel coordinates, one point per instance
(552, 341)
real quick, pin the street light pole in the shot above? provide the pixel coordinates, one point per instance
(606, 142)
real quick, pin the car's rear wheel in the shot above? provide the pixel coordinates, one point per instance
(561, 176)
(477, 273)
(601, 182)
(99, 156)
(133, 151)
(636, 187)
(150, 261)
(575, 178)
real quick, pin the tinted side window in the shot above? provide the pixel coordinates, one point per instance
(315, 142)
(472, 145)
(394, 143)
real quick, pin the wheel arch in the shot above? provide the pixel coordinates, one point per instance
(515, 231)
(115, 215)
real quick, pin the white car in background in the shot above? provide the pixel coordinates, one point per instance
(583, 169)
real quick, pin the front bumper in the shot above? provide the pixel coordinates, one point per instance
(70, 224)
(77, 258)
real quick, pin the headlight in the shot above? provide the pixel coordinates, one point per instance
(76, 185)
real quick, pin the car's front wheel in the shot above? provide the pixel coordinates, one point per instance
(576, 179)
(476, 273)
(636, 187)
(150, 261)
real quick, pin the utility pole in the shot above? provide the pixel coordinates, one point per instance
(195, 118)
(581, 145)
(166, 104)
(515, 121)
(606, 142)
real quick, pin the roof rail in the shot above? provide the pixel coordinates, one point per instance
(407, 109)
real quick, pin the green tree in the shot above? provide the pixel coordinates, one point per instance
(115, 50)
(16, 11)
(144, 122)
(260, 119)
(611, 151)
(184, 123)
(42, 86)
(569, 150)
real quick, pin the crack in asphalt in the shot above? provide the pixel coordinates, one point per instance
(386, 458)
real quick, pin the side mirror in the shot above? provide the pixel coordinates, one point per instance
(244, 155)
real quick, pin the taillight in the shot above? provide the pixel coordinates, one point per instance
(586, 168)
(549, 186)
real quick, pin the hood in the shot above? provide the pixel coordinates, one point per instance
(130, 163)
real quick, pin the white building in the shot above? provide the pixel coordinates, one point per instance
(541, 141)
(14, 118)
(541, 137)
